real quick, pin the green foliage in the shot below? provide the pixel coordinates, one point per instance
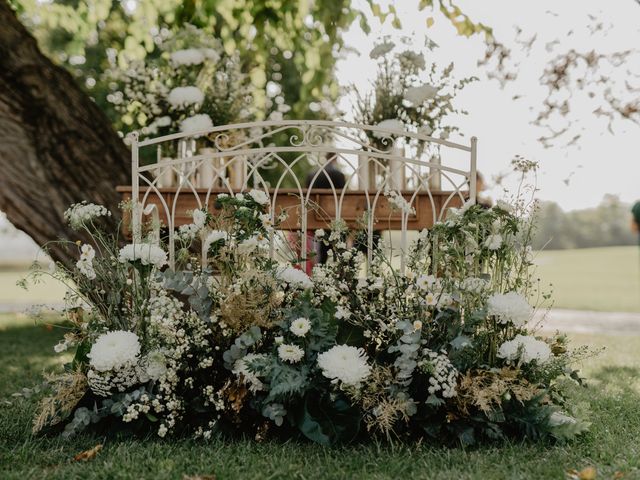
(608, 224)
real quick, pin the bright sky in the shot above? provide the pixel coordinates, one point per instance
(599, 163)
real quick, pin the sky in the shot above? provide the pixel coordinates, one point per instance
(574, 177)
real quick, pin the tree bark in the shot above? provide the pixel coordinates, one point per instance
(56, 146)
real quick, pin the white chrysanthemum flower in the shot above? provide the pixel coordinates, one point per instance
(389, 124)
(259, 197)
(197, 123)
(418, 95)
(146, 253)
(510, 307)
(213, 237)
(185, 96)
(241, 368)
(290, 353)
(300, 326)
(189, 56)
(493, 241)
(80, 213)
(526, 348)
(381, 49)
(345, 364)
(294, 277)
(113, 350)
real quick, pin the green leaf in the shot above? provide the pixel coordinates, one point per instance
(326, 421)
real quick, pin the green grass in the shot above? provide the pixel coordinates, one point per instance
(602, 279)
(611, 445)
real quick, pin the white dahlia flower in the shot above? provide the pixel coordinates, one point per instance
(526, 348)
(185, 96)
(510, 307)
(294, 278)
(300, 326)
(113, 350)
(345, 363)
(146, 253)
(290, 353)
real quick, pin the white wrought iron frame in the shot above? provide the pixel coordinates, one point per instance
(249, 148)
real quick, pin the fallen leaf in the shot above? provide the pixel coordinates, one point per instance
(88, 454)
(588, 473)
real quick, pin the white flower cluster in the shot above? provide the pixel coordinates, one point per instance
(389, 124)
(398, 202)
(526, 349)
(258, 196)
(510, 307)
(79, 214)
(294, 277)
(187, 57)
(474, 285)
(181, 97)
(253, 243)
(213, 237)
(146, 253)
(419, 95)
(196, 123)
(443, 375)
(345, 364)
(85, 264)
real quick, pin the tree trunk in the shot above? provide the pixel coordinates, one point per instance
(56, 146)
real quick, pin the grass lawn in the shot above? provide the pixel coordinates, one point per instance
(603, 279)
(611, 446)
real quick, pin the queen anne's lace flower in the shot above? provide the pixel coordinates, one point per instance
(181, 97)
(113, 350)
(146, 253)
(81, 213)
(290, 353)
(345, 364)
(294, 278)
(300, 326)
(510, 307)
(525, 348)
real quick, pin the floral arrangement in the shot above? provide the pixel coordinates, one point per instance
(191, 85)
(240, 343)
(408, 93)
